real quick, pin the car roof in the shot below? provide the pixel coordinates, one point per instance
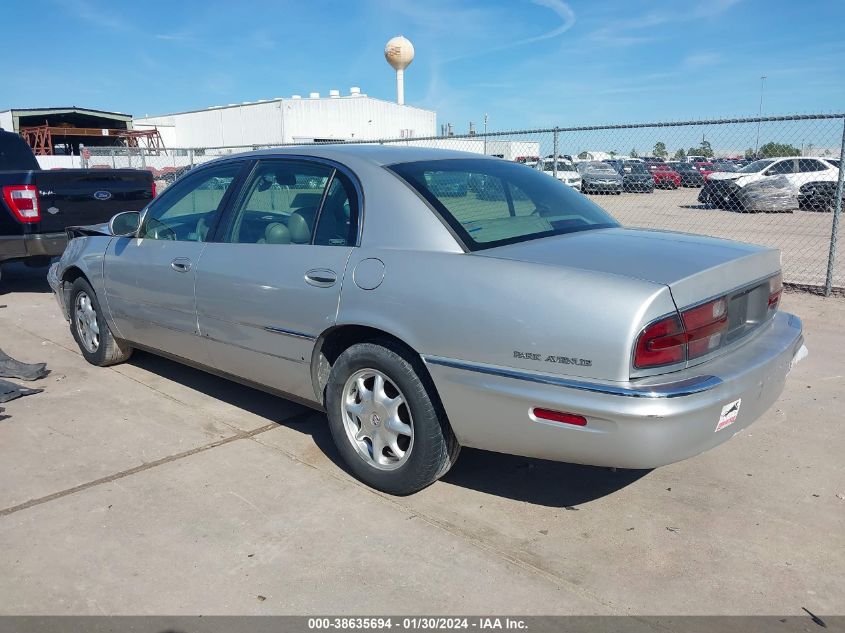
(374, 154)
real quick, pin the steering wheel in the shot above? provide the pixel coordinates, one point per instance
(159, 231)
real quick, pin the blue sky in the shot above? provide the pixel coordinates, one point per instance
(526, 63)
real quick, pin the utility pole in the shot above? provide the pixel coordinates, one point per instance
(759, 115)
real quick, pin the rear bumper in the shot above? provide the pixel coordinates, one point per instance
(639, 424)
(34, 245)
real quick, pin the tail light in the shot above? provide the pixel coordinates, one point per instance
(679, 337)
(775, 291)
(23, 202)
(155, 190)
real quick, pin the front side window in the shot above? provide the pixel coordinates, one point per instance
(783, 167)
(294, 202)
(188, 210)
(490, 203)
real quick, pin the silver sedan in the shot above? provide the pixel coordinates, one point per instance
(428, 300)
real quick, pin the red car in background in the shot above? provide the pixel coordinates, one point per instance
(705, 169)
(664, 176)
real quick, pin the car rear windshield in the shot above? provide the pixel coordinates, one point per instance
(495, 202)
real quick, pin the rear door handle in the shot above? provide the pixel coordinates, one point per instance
(321, 277)
(181, 264)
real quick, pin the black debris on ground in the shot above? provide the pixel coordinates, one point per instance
(11, 368)
(10, 391)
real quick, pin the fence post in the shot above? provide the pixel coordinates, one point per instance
(191, 156)
(837, 211)
(554, 153)
(143, 158)
(113, 164)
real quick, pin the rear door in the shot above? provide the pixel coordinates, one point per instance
(71, 197)
(150, 278)
(270, 283)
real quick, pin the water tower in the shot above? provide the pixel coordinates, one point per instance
(399, 53)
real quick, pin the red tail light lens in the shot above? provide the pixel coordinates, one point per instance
(22, 200)
(690, 334)
(559, 416)
(705, 326)
(155, 190)
(775, 291)
(661, 343)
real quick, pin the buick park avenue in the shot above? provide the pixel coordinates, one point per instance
(506, 312)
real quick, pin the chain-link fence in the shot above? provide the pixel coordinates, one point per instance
(775, 181)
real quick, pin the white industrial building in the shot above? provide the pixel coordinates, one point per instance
(292, 120)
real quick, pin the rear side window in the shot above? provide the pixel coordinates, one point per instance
(808, 164)
(490, 202)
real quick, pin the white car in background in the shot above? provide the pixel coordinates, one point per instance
(566, 171)
(769, 177)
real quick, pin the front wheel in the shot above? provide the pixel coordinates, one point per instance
(386, 419)
(89, 328)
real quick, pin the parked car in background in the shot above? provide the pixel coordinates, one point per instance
(705, 168)
(599, 177)
(37, 205)
(566, 171)
(688, 174)
(664, 176)
(635, 175)
(400, 311)
(722, 189)
(693, 158)
(818, 196)
(724, 166)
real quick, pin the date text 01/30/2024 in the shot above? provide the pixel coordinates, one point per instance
(417, 623)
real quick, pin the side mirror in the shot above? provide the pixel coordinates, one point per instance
(125, 224)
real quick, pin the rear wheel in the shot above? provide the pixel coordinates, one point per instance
(90, 330)
(386, 419)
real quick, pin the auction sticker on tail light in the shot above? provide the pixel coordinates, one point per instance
(729, 413)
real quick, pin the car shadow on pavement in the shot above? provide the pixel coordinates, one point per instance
(533, 481)
(537, 481)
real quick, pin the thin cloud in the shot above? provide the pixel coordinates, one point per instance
(700, 60)
(96, 16)
(567, 21)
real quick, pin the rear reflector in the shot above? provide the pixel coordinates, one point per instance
(22, 201)
(558, 416)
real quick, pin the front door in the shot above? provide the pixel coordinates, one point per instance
(270, 284)
(149, 279)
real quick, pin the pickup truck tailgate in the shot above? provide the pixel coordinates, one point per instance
(89, 196)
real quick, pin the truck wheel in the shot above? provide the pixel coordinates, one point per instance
(386, 419)
(90, 330)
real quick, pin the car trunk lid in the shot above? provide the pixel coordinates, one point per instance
(695, 268)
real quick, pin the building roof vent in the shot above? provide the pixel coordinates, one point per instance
(355, 91)
(296, 97)
(314, 95)
(334, 94)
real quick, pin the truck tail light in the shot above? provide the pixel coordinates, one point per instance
(775, 291)
(686, 335)
(155, 189)
(23, 202)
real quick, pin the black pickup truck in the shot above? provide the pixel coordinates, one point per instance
(37, 205)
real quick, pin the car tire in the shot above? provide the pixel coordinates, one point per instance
(90, 330)
(430, 449)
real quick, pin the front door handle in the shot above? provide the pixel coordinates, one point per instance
(181, 264)
(321, 277)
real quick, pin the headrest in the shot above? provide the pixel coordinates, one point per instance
(276, 233)
(300, 224)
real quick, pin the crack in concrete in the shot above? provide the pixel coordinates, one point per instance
(137, 469)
